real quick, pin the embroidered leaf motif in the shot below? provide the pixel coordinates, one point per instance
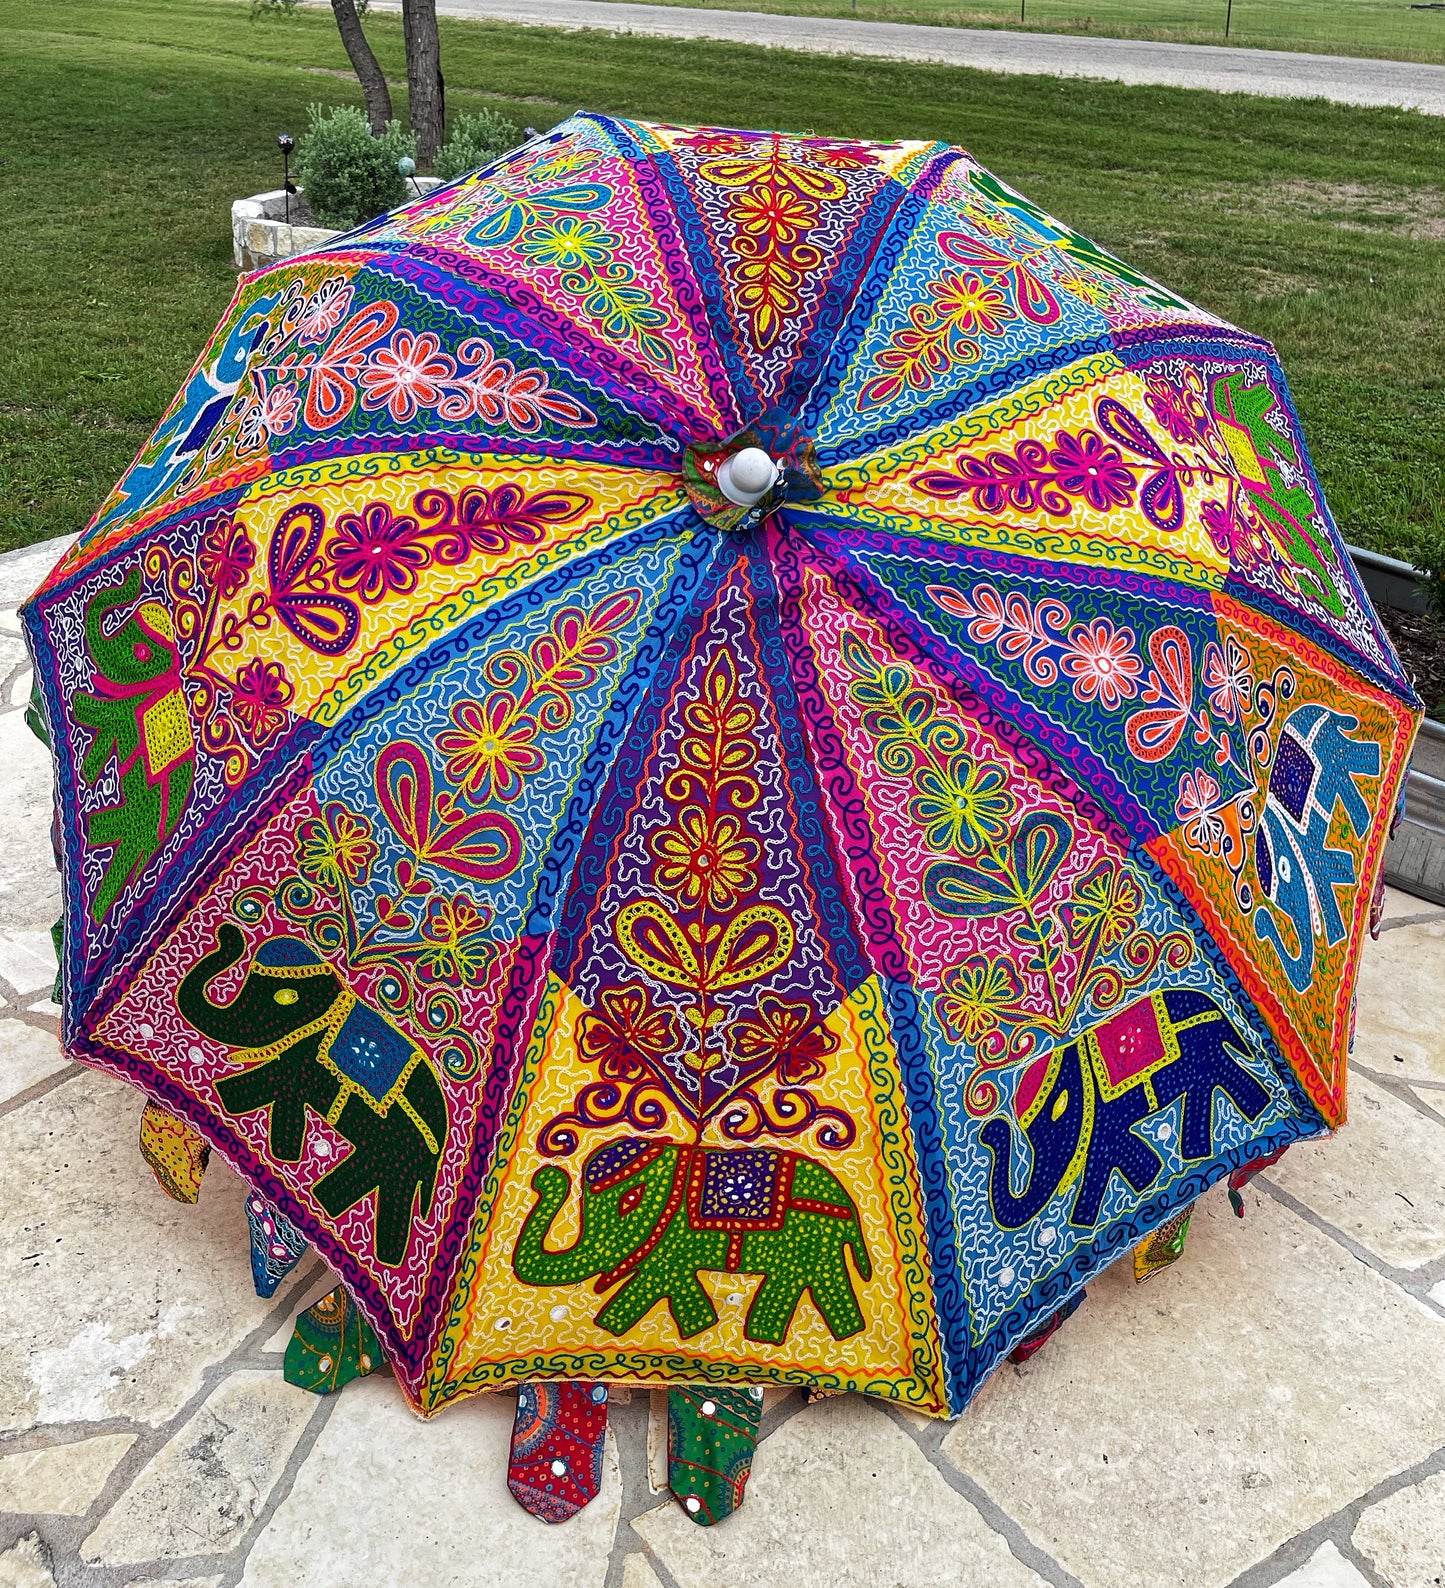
(324, 622)
(485, 846)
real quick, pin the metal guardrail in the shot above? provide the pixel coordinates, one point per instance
(1389, 581)
(1415, 858)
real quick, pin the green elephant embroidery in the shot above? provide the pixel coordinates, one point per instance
(321, 1048)
(655, 1212)
(139, 717)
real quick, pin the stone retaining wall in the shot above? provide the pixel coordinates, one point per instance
(260, 233)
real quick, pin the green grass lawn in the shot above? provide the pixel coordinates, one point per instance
(128, 126)
(1391, 28)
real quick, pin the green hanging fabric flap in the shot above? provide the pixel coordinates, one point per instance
(332, 1345)
(711, 1434)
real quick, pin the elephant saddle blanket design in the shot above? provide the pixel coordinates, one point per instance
(716, 759)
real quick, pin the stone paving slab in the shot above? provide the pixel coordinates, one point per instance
(121, 1297)
(28, 1054)
(387, 1498)
(60, 1480)
(1268, 1379)
(1401, 1024)
(1326, 1568)
(206, 1486)
(1403, 1537)
(1380, 1180)
(840, 1494)
(26, 1564)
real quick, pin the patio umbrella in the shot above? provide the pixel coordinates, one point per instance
(720, 759)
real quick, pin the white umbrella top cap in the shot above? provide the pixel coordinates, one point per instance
(747, 476)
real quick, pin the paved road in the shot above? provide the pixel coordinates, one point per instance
(1275, 72)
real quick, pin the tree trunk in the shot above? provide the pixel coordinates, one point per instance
(424, 76)
(369, 74)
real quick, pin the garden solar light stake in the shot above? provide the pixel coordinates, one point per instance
(286, 143)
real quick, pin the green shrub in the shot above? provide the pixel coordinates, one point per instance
(349, 176)
(476, 139)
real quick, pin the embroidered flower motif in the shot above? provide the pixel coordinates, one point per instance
(571, 242)
(1102, 662)
(325, 309)
(278, 411)
(712, 141)
(338, 851)
(376, 551)
(1079, 284)
(966, 302)
(1227, 678)
(495, 390)
(405, 375)
(491, 751)
(1178, 405)
(1106, 902)
(259, 698)
(989, 221)
(977, 995)
(227, 556)
(627, 1033)
(838, 155)
(706, 857)
(457, 949)
(1034, 476)
(964, 809)
(1197, 808)
(788, 1031)
(250, 421)
(1084, 465)
(1237, 532)
(775, 211)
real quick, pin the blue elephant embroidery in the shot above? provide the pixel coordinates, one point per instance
(1315, 766)
(1077, 1106)
(203, 404)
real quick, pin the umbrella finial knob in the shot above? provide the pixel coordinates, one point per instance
(747, 476)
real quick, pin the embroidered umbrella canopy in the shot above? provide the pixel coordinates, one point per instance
(716, 758)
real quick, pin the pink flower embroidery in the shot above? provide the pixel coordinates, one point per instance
(259, 698)
(501, 394)
(1237, 531)
(227, 556)
(376, 551)
(1102, 662)
(1227, 678)
(1085, 466)
(1196, 808)
(492, 749)
(406, 375)
(279, 410)
(250, 422)
(1178, 407)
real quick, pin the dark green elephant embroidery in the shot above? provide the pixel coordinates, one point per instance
(139, 718)
(656, 1212)
(316, 1046)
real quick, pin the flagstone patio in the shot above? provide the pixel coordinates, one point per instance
(1271, 1410)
